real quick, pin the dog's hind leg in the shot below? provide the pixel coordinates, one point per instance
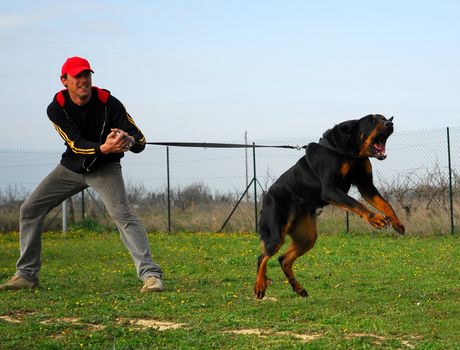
(270, 248)
(259, 261)
(303, 239)
(262, 282)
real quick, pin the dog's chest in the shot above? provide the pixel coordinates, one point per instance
(346, 174)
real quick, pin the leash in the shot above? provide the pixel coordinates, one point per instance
(221, 145)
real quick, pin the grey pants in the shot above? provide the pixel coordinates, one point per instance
(61, 184)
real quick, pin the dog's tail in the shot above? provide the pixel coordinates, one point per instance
(270, 238)
(273, 217)
(272, 247)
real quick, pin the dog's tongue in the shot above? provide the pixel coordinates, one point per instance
(380, 147)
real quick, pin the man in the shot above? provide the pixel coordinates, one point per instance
(97, 131)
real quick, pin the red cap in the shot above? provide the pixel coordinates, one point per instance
(75, 65)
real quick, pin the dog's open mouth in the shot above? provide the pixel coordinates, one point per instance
(379, 150)
(378, 147)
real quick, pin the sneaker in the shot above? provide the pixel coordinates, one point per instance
(152, 284)
(17, 282)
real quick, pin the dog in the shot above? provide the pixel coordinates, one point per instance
(323, 176)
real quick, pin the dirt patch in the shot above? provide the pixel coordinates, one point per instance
(270, 299)
(248, 332)
(165, 325)
(155, 324)
(304, 337)
(16, 317)
(75, 321)
(262, 333)
(62, 320)
(10, 319)
(70, 320)
(379, 338)
(140, 323)
(313, 336)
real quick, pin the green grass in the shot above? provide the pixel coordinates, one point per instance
(366, 292)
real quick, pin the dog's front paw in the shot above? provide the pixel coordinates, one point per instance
(260, 287)
(398, 227)
(377, 220)
(259, 293)
(302, 292)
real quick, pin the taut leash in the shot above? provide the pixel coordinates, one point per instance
(221, 145)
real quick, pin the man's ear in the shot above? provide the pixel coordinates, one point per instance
(64, 81)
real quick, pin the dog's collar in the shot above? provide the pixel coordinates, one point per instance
(326, 144)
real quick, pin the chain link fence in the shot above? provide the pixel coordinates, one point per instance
(200, 190)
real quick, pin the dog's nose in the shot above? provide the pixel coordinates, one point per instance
(388, 124)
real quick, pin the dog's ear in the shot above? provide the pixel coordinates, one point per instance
(342, 135)
(347, 127)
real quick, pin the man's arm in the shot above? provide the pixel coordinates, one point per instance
(122, 121)
(72, 136)
(70, 133)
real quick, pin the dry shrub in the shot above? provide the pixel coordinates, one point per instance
(421, 200)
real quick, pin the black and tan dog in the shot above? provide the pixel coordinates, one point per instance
(323, 176)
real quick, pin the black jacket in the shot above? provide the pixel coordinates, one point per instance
(85, 128)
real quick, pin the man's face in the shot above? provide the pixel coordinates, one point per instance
(79, 85)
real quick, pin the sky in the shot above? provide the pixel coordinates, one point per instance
(209, 71)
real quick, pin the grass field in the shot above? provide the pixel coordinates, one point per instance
(366, 292)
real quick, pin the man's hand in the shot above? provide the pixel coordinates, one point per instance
(118, 141)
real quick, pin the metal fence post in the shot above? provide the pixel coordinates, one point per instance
(452, 227)
(169, 189)
(246, 162)
(255, 183)
(64, 216)
(83, 204)
(347, 222)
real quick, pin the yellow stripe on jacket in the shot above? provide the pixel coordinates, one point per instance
(71, 143)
